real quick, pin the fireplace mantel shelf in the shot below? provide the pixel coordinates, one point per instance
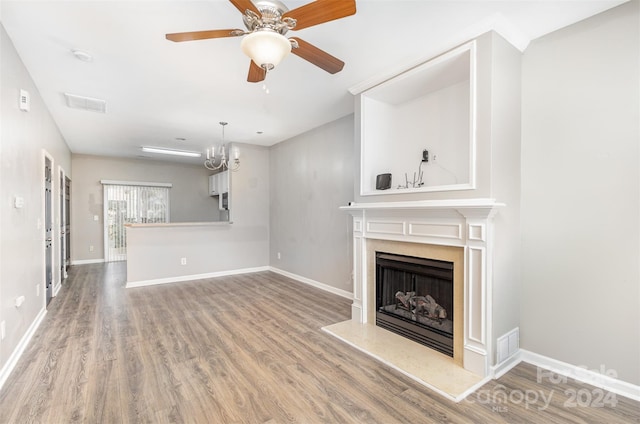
(464, 206)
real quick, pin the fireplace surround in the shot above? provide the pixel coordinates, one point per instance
(457, 231)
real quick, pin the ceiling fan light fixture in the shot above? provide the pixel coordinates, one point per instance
(266, 48)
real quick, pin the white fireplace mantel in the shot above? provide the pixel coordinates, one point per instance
(465, 207)
(463, 223)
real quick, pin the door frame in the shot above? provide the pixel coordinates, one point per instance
(67, 217)
(46, 156)
(62, 226)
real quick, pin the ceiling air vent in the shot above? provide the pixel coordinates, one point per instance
(85, 103)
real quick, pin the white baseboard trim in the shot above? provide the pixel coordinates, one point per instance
(597, 378)
(169, 280)
(17, 352)
(317, 284)
(505, 366)
(87, 261)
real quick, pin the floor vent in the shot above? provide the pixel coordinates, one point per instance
(508, 344)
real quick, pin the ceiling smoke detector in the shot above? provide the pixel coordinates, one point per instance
(82, 55)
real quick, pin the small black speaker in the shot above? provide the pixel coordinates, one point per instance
(383, 181)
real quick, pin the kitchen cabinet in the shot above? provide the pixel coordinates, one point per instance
(219, 183)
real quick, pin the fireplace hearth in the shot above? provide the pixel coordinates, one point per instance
(414, 298)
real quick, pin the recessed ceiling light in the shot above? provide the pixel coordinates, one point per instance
(174, 152)
(181, 139)
(82, 55)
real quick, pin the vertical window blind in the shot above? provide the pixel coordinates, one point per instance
(131, 203)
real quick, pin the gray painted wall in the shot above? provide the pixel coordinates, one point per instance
(505, 185)
(311, 177)
(24, 137)
(581, 194)
(189, 198)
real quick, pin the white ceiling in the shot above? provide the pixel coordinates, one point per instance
(157, 91)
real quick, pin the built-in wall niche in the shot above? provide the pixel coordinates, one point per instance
(429, 107)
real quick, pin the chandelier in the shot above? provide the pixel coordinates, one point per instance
(210, 162)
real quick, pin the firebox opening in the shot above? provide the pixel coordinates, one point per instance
(414, 298)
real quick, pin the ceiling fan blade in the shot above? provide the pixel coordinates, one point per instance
(256, 73)
(243, 5)
(318, 57)
(203, 35)
(320, 11)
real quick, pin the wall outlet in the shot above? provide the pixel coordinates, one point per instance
(91, 248)
(183, 261)
(279, 255)
(37, 289)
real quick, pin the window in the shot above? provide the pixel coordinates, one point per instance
(131, 203)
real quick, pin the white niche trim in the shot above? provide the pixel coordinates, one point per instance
(430, 107)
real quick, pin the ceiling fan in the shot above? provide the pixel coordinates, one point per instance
(267, 21)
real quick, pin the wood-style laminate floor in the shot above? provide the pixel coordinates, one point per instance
(244, 349)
